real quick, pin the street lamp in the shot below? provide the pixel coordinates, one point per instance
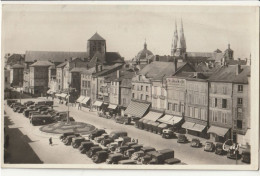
(68, 116)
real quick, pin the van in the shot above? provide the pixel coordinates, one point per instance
(41, 119)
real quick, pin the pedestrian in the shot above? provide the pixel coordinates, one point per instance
(136, 141)
(79, 106)
(50, 141)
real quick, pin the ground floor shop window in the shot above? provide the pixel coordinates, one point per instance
(239, 124)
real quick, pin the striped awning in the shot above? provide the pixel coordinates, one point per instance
(153, 116)
(169, 119)
(198, 127)
(137, 109)
(80, 99)
(188, 125)
(112, 106)
(85, 100)
(218, 130)
(98, 103)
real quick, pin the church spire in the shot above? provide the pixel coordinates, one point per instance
(182, 38)
(174, 40)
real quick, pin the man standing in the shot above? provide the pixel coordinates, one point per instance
(50, 141)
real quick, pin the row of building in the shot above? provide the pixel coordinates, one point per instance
(205, 93)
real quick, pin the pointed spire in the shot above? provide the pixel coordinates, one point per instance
(174, 40)
(182, 37)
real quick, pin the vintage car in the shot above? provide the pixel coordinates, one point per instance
(160, 156)
(168, 134)
(117, 134)
(161, 127)
(129, 144)
(182, 138)
(233, 153)
(134, 148)
(147, 157)
(122, 140)
(172, 161)
(96, 133)
(17, 108)
(195, 142)
(85, 146)
(27, 111)
(146, 124)
(10, 101)
(209, 147)
(15, 104)
(21, 109)
(154, 127)
(68, 139)
(121, 149)
(92, 151)
(100, 156)
(77, 141)
(107, 141)
(28, 103)
(115, 158)
(147, 149)
(139, 124)
(137, 155)
(40, 103)
(41, 120)
(60, 115)
(64, 119)
(100, 138)
(127, 162)
(123, 120)
(112, 146)
(219, 149)
(64, 135)
(246, 156)
(49, 103)
(31, 113)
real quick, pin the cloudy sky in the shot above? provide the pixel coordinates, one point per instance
(125, 27)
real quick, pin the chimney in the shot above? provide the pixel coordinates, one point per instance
(35, 60)
(118, 73)
(175, 63)
(100, 68)
(96, 67)
(238, 69)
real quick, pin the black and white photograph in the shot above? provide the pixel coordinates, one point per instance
(130, 86)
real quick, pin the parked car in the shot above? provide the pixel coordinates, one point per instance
(122, 149)
(123, 120)
(10, 101)
(161, 156)
(68, 139)
(60, 115)
(139, 124)
(129, 144)
(21, 109)
(100, 138)
(209, 147)
(117, 134)
(77, 141)
(219, 149)
(41, 120)
(137, 155)
(168, 133)
(172, 161)
(100, 156)
(64, 135)
(147, 157)
(233, 154)
(27, 111)
(96, 133)
(107, 141)
(154, 127)
(40, 103)
(65, 119)
(93, 151)
(195, 142)
(127, 162)
(28, 103)
(115, 158)
(85, 146)
(15, 104)
(49, 103)
(161, 127)
(134, 148)
(246, 156)
(182, 138)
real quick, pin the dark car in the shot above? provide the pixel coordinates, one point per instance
(123, 120)
(115, 158)
(77, 141)
(209, 147)
(10, 101)
(182, 138)
(41, 120)
(168, 134)
(64, 135)
(233, 153)
(195, 142)
(28, 103)
(68, 139)
(133, 149)
(106, 141)
(65, 119)
(219, 149)
(100, 156)
(96, 133)
(49, 103)
(85, 146)
(246, 156)
(121, 149)
(172, 161)
(21, 109)
(93, 151)
(161, 156)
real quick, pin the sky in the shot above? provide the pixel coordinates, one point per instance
(125, 28)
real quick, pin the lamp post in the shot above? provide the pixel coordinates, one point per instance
(20, 85)
(68, 116)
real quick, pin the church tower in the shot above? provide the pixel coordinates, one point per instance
(96, 44)
(181, 43)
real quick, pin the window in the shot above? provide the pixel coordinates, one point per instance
(169, 106)
(239, 124)
(141, 97)
(240, 101)
(224, 103)
(216, 102)
(214, 116)
(146, 97)
(191, 111)
(203, 114)
(182, 108)
(141, 87)
(239, 110)
(5, 79)
(133, 95)
(146, 88)
(155, 90)
(240, 88)
(224, 118)
(133, 87)
(224, 90)
(196, 113)
(176, 108)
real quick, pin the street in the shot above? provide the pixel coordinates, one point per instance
(61, 154)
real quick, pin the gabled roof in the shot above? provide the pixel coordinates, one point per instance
(199, 54)
(55, 56)
(235, 62)
(96, 36)
(89, 71)
(62, 65)
(107, 70)
(98, 58)
(79, 69)
(243, 76)
(17, 66)
(15, 59)
(41, 64)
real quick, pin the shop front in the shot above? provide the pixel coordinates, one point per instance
(171, 121)
(195, 129)
(136, 110)
(219, 134)
(85, 102)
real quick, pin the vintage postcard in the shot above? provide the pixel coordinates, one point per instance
(130, 86)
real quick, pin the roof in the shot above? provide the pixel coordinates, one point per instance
(52, 67)
(17, 66)
(15, 59)
(108, 58)
(228, 74)
(96, 36)
(62, 64)
(199, 54)
(98, 58)
(157, 70)
(107, 68)
(89, 71)
(55, 56)
(127, 83)
(78, 69)
(114, 57)
(123, 74)
(235, 62)
(41, 64)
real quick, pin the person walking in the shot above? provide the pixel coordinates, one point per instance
(136, 141)
(79, 106)
(50, 141)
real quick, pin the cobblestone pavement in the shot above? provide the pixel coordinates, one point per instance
(64, 154)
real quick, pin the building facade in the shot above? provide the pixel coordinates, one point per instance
(16, 75)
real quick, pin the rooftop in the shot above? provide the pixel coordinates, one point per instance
(41, 64)
(17, 66)
(79, 69)
(96, 36)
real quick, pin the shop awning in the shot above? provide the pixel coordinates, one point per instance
(162, 125)
(63, 95)
(58, 95)
(198, 127)
(112, 106)
(80, 99)
(98, 103)
(137, 109)
(218, 130)
(153, 116)
(188, 125)
(165, 119)
(85, 100)
(169, 119)
(176, 119)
